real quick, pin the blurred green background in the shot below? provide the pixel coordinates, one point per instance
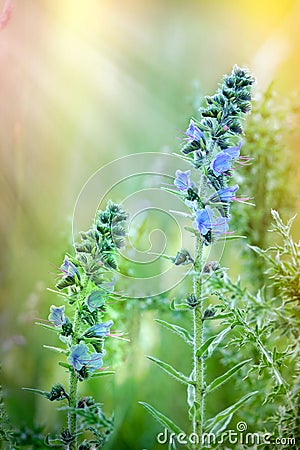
(83, 83)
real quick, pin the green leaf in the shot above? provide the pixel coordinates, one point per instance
(219, 316)
(217, 382)
(211, 423)
(221, 426)
(212, 343)
(182, 332)
(178, 306)
(217, 340)
(171, 371)
(37, 391)
(231, 238)
(63, 364)
(56, 349)
(262, 253)
(162, 419)
(103, 373)
(201, 351)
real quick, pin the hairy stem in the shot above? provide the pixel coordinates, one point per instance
(73, 383)
(198, 363)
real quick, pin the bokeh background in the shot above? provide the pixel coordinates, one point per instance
(83, 83)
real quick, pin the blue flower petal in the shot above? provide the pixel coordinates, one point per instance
(183, 181)
(57, 316)
(221, 163)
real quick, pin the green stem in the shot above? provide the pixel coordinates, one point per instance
(73, 384)
(198, 363)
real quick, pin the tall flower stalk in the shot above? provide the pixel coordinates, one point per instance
(213, 147)
(86, 284)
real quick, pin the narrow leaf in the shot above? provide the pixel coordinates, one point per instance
(211, 343)
(171, 371)
(221, 426)
(37, 391)
(56, 349)
(162, 419)
(217, 340)
(201, 351)
(217, 382)
(103, 373)
(211, 423)
(180, 331)
(67, 366)
(178, 306)
(228, 237)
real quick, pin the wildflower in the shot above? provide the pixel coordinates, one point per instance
(193, 132)
(70, 274)
(57, 316)
(79, 358)
(68, 268)
(221, 163)
(99, 330)
(196, 139)
(233, 152)
(225, 194)
(206, 222)
(95, 300)
(183, 181)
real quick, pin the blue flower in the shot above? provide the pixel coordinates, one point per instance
(95, 300)
(193, 132)
(221, 163)
(234, 152)
(68, 268)
(226, 194)
(99, 330)
(79, 357)
(223, 160)
(57, 316)
(183, 181)
(206, 222)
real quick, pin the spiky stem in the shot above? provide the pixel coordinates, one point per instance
(73, 383)
(198, 336)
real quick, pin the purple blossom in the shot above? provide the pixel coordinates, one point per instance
(234, 152)
(221, 163)
(205, 222)
(183, 181)
(68, 268)
(57, 316)
(99, 330)
(193, 132)
(227, 194)
(96, 300)
(79, 357)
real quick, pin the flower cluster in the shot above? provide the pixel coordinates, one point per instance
(213, 145)
(87, 283)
